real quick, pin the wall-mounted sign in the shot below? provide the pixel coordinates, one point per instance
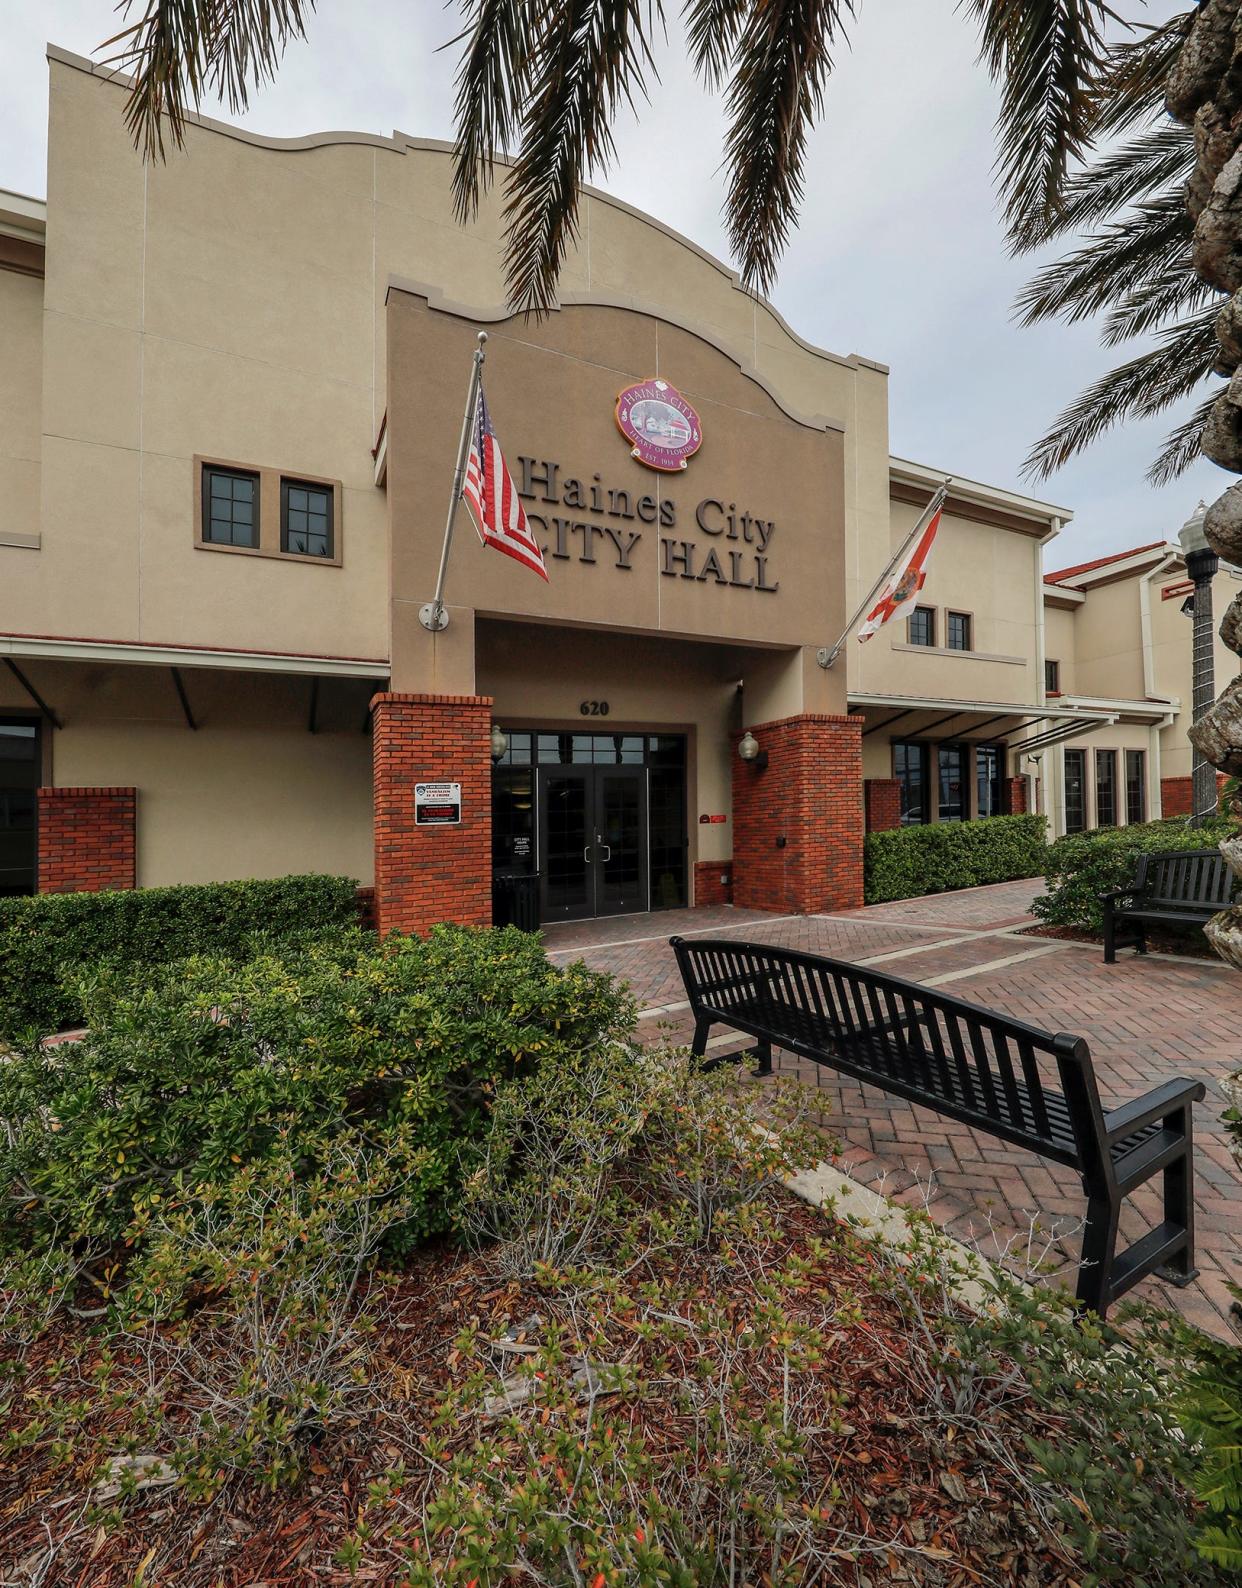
(712, 821)
(437, 804)
(661, 424)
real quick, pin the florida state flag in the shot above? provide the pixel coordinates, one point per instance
(900, 595)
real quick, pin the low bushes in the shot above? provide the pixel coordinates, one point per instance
(48, 942)
(1081, 866)
(910, 861)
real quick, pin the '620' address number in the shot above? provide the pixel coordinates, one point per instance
(593, 708)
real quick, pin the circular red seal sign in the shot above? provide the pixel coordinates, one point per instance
(661, 424)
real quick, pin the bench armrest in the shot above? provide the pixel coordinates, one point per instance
(1120, 893)
(1151, 1106)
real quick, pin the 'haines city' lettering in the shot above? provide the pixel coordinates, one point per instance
(737, 557)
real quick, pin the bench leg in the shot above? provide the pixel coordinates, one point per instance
(763, 1052)
(1110, 942)
(1179, 1201)
(699, 1046)
(1099, 1246)
(1140, 941)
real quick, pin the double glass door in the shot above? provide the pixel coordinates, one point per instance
(592, 841)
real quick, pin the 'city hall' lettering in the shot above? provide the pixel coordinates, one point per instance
(568, 538)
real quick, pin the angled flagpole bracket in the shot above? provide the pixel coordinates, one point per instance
(433, 614)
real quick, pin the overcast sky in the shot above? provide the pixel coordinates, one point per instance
(899, 255)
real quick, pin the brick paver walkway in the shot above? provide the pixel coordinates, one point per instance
(1146, 1020)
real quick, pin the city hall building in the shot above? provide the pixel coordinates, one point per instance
(231, 396)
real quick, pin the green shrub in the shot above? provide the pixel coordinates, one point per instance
(1081, 866)
(48, 942)
(910, 861)
(214, 1066)
(1211, 1413)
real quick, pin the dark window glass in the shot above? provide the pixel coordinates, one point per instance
(1136, 786)
(1075, 791)
(910, 770)
(1106, 788)
(306, 518)
(951, 762)
(666, 835)
(989, 767)
(1052, 677)
(21, 770)
(230, 507)
(922, 626)
(959, 631)
(518, 752)
(513, 818)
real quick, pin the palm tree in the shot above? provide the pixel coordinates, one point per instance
(540, 83)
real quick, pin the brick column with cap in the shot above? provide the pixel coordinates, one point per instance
(798, 824)
(87, 839)
(428, 874)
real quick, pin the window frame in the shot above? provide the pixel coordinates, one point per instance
(930, 643)
(1080, 757)
(1139, 758)
(904, 780)
(986, 751)
(968, 620)
(1106, 757)
(207, 473)
(270, 516)
(299, 482)
(1052, 675)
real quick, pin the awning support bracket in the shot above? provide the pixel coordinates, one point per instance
(179, 686)
(34, 694)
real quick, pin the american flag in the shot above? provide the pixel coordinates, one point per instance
(493, 497)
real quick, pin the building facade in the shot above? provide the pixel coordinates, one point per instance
(230, 403)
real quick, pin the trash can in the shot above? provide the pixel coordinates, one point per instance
(515, 899)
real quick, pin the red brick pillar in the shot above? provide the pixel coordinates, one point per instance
(882, 804)
(427, 874)
(86, 839)
(1015, 796)
(798, 824)
(1175, 796)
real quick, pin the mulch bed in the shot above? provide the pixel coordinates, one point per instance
(929, 1508)
(1187, 945)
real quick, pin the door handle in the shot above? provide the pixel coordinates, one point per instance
(586, 855)
(600, 844)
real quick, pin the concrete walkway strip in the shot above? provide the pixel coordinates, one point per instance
(924, 948)
(989, 965)
(663, 937)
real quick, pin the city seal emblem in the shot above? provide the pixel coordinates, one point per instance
(660, 424)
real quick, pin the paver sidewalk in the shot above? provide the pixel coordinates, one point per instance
(1145, 1020)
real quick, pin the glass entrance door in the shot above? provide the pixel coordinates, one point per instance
(592, 840)
(20, 768)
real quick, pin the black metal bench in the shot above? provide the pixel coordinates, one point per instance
(1182, 887)
(1001, 1076)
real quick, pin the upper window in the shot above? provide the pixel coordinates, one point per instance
(305, 518)
(230, 507)
(922, 626)
(959, 631)
(1052, 677)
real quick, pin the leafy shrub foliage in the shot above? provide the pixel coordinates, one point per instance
(910, 861)
(1081, 866)
(50, 941)
(1212, 1415)
(213, 1066)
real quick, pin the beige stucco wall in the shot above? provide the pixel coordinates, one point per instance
(1060, 636)
(21, 381)
(251, 793)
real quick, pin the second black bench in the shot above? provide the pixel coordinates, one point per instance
(1182, 887)
(1004, 1077)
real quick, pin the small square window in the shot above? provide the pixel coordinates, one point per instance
(1052, 677)
(922, 626)
(959, 631)
(230, 507)
(306, 519)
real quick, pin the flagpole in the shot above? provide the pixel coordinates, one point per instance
(433, 615)
(827, 656)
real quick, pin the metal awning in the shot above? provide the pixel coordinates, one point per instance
(972, 716)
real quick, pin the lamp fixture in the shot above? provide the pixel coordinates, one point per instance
(1191, 534)
(748, 749)
(500, 742)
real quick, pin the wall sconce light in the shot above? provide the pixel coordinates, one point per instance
(500, 742)
(749, 750)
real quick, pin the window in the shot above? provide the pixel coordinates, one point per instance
(959, 631)
(1136, 786)
(1106, 788)
(1052, 678)
(989, 771)
(1075, 791)
(922, 626)
(910, 771)
(230, 508)
(305, 518)
(951, 764)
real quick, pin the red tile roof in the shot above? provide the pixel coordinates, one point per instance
(1062, 574)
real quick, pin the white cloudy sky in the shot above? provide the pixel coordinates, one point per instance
(899, 255)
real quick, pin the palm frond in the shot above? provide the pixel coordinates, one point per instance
(1049, 56)
(781, 63)
(1146, 246)
(178, 48)
(492, 79)
(1181, 446)
(1132, 87)
(1152, 305)
(1155, 159)
(587, 57)
(1141, 387)
(713, 29)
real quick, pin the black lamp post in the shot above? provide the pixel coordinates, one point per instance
(1201, 565)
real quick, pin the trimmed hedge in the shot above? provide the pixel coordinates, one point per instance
(51, 940)
(910, 861)
(1081, 866)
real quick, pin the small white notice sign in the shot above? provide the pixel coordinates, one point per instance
(437, 804)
